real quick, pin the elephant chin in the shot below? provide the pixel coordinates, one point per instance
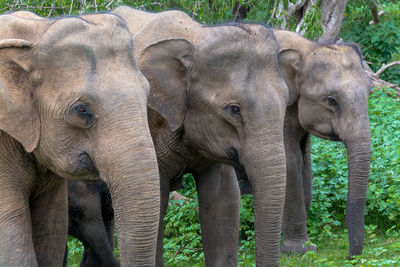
(333, 136)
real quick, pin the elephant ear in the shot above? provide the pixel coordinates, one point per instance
(166, 65)
(289, 63)
(18, 115)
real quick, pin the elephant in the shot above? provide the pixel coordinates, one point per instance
(91, 220)
(217, 99)
(329, 93)
(73, 105)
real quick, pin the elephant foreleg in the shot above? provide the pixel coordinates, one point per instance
(219, 203)
(295, 215)
(49, 211)
(305, 146)
(16, 182)
(163, 208)
(16, 247)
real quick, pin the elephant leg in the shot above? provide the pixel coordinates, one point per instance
(99, 251)
(295, 214)
(16, 246)
(85, 254)
(49, 212)
(16, 182)
(65, 262)
(90, 220)
(219, 204)
(163, 209)
(305, 146)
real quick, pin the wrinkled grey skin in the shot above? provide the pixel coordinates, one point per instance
(91, 220)
(63, 115)
(328, 98)
(216, 96)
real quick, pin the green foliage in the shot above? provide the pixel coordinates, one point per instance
(381, 43)
(75, 251)
(182, 241)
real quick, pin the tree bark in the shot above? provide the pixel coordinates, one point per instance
(374, 12)
(332, 13)
(293, 16)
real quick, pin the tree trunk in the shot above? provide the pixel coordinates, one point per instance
(332, 13)
(374, 12)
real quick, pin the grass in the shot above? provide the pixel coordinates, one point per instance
(380, 249)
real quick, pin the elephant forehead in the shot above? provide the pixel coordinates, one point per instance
(337, 56)
(225, 45)
(109, 37)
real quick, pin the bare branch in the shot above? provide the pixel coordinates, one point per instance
(176, 196)
(376, 81)
(386, 66)
(109, 4)
(274, 10)
(70, 9)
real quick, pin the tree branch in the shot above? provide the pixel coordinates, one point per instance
(376, 81)
(386, 66)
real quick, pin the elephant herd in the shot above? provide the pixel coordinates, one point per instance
(138, 99)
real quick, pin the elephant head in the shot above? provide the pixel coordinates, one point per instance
(331, 89)
(68, 96)
(227, 96)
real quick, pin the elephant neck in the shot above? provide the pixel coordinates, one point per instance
(293, 131)
(174, 154)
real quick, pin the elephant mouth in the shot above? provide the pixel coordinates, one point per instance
(331, 136)
(86, 161)
(85, 167)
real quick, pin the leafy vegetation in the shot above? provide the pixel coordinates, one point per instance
(380, 44)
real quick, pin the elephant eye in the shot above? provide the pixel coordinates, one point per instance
(332, 101)
(81, 116)
(82, 109)
(235, 110)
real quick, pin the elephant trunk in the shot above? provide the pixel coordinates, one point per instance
(266, 170)
(127, 162)
(359, 158)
